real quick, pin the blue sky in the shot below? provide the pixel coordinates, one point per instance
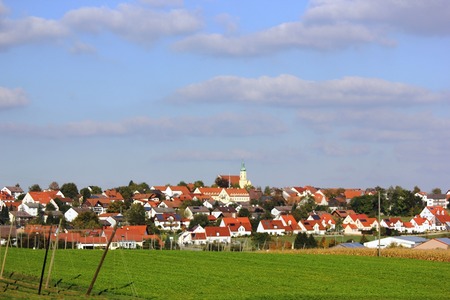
(329, 93)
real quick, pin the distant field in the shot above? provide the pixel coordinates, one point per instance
(228, 275)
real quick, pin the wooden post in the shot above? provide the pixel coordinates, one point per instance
(45, 259)
(6, 250)
(53, 254)
(101, 262)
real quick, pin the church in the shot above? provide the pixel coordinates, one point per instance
(238, 180)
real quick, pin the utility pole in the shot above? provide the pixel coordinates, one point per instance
(379, 225)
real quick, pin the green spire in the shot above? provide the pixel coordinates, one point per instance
(242, 166)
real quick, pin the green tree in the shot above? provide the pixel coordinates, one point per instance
(437, 191)
(86, 220)
(222, 182)
(198, 184)
(311, 243)
(85, 193)
(117, 207)
(4, 215)
(267, 190)
(135, 215)
(261, 240)
(244, 212)
(301, 240)
(69, 190)
(35, 188)
(199, 219)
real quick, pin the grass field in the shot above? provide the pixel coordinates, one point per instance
(226, 275)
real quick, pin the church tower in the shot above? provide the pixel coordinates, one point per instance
(243, 182)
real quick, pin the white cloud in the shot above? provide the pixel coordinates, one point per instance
(288, 90)
(29, 30)
(283, 36)
(229, 125)
(12, 98)
(133, 22)
(418, 17)
(331, 25)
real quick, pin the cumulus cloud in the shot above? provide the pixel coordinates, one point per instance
(417, 17)
(288, 90)
(163, 3)
(231, 125)
(29, 30)
(331, 25)
(82, 48)
(133, 22)
(12, 98)
(284, 36)
(378, 125)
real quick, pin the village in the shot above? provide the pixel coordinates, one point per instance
(230, 214)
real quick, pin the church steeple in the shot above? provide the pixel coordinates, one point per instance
(243, 182)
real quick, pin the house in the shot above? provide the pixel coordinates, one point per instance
(14, 191)
(342, 214)
(172, 192)
(438, 216)
(362, 221)
(217, 234)
(281, 210)
(325, 218)
(393, 224)
(97, 205)
(434, 199)
(320, 198)
(312, 227)
(159, 210)
(111, 219)
(352, 193)
(32, 208)
(113, 195)
(399, 241)
(272, 227)
(211, 193)
(196, 236)
(290, 224)
(43, 198)
(127, 237)
(20, 218)
(233, 195)
(224, 212)
(168, 221)
(238, 226)
(191, 211)
(73, 212)
(351, 229)
(437, 243)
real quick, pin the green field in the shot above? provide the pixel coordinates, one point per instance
(230, 275)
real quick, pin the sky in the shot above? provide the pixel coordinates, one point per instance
(328, 93)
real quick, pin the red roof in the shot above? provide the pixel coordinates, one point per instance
(212, 231)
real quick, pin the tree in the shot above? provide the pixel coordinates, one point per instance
(198, 184)
(260, 239)
(54, 186)
(301, 240)
(69, 190)
(199, 219)
(4, 215)
(267, 190)
(35, 188)
(221, 182)
(311, 243)
(117, 207)
(85, 193)
(244, 212)
(86, 220)
(135, 215)
(437, 191)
